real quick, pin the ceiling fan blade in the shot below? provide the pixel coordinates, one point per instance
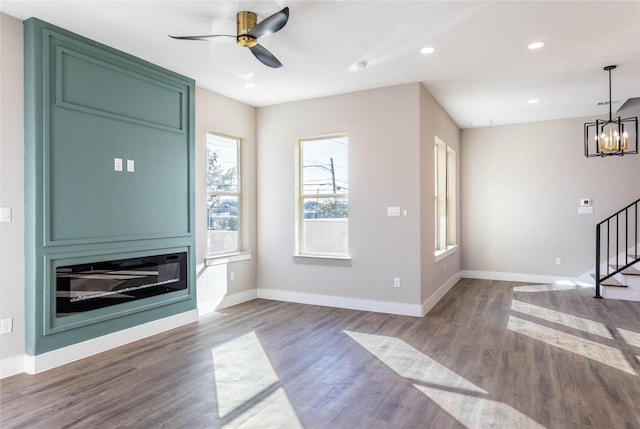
(271, 24)
(225, 37)
(265, 57)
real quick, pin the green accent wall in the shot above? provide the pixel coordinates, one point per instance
(85, 105)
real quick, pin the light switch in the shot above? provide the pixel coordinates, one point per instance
(393, 211)
(117, 164)
(5, 214)
(585, 210)
(130, 165)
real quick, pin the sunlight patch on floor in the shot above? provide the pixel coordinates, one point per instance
(469, 408)
(579, 323)
(242, 371)
(274, 411)
(589, 349)
(478, 413)
(630, 337)
(411, 363)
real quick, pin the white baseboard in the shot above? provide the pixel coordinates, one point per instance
(430, 302)
(237, 298)
(398, 308)
(212, 305)
(516, 277)
(65, 355)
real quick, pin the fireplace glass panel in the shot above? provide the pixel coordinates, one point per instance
(90, 286)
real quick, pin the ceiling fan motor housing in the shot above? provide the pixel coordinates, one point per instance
(245, 22)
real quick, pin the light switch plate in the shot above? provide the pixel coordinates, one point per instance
(585, 210)
(5, 214)
(393, 211)
(131, 165)
(117, 164)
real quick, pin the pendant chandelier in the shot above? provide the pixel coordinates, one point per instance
(614, 136)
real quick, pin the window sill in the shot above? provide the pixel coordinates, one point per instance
(344, 261)
(227, 259)
(439, 255)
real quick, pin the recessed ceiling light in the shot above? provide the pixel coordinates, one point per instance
(535, 45)
(427, 50)
(249, 85)
(533, 101)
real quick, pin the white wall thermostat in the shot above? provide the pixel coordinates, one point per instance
(585, 202)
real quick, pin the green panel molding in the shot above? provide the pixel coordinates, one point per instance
(86, 105)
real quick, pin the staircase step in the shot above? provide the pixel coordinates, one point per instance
(631, 271)
(610, 282)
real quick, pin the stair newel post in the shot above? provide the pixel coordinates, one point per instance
(598, 262)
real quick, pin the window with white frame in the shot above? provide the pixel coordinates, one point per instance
(223, 194)
(445, 197)
(323, 201)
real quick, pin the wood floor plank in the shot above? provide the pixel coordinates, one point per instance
(498, 377)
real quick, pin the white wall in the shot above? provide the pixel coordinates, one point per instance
(521, 185)
(384, 170)
(12, 192)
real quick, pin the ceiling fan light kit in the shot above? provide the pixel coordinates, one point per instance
(615, 136)
(248, 31)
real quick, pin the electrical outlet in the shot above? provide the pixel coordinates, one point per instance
(232, 276)
(396, 282)
(558, 261)
(6, 326)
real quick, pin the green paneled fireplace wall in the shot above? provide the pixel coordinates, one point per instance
(87, 104)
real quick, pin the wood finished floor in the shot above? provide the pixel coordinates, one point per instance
(490, 354)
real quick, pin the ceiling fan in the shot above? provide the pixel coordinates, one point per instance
(249, 31)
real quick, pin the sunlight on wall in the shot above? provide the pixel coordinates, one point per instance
(243, 374)
(560, 318)
(589, 349)
(470, 409)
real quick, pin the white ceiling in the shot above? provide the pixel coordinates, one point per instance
(481, 70)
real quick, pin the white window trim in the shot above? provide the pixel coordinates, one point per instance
(451, 224)
(227, 259)
(214, 256)
(439, 255)
(300, 197)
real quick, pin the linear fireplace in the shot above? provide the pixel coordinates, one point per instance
(90, 286)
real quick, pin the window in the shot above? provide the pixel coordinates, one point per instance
(445, 197)
(223, 194)
(323, 202)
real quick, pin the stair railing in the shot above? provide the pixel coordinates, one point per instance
(615, 245)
